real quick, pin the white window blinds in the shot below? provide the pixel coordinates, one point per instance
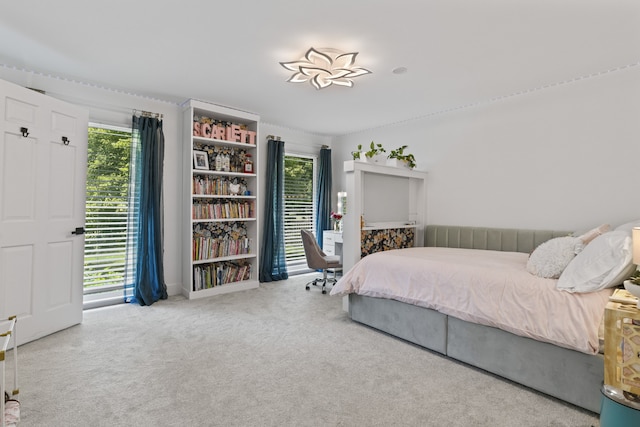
(299, 196)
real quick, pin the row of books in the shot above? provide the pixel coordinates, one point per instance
(218, 274)
(216, 186)
(222, 210)
(209, 248)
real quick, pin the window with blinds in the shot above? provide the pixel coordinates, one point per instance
(109, 152)
(299, 196)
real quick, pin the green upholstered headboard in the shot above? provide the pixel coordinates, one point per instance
(497, 239)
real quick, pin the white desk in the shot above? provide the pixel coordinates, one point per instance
(332, 243)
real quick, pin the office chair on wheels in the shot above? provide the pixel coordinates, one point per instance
(318, 260)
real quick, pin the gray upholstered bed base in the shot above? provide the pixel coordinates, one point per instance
(568, 375)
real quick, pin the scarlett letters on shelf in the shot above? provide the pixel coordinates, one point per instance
(205, 130)
(218, 132)
(224, 131)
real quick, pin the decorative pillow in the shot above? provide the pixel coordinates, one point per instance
(550, 258)
(604, 263)
(588, 236)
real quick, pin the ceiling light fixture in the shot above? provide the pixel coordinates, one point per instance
(324, 67)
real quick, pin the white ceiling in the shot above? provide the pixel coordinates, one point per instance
(458, 52)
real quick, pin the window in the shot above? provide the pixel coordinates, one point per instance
(299, 197)
(109, 152)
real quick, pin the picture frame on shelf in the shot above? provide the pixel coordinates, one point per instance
(200, 160)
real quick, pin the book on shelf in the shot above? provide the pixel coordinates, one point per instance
(223, 210)
(218, 186)
(209, 248)
(218, 274)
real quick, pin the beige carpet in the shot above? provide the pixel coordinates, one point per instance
(274, 356)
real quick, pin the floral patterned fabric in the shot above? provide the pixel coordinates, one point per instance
(383, 240)
(235, 157)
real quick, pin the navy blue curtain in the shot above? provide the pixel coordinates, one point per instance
(145, 276)
(323, 204)
(273, 265)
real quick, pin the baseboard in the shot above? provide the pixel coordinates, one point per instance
(174, 289)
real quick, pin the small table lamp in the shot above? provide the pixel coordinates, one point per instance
(635, 237)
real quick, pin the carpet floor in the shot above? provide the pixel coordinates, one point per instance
(273, 356)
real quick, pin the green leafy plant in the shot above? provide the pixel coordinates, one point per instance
(356, 154)
(398, 153)
(635, 278)
(374, 149)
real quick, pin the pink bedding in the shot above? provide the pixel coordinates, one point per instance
(486, 287)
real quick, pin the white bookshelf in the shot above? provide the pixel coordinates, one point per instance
(215, 215)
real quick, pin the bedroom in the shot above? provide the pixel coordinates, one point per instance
(535, 128)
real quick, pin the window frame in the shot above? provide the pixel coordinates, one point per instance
(299, 264)
(109, 294)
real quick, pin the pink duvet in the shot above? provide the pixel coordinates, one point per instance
(486, 287)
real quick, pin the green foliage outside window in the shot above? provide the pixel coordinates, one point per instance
(108, 161)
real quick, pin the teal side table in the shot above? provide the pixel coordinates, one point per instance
(617, 410)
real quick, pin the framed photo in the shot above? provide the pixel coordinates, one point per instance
(200, 160)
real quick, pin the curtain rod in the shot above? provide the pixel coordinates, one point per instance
(276, 138)
(148, 114)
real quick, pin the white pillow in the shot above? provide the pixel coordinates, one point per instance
(550, 258)
(604, 263)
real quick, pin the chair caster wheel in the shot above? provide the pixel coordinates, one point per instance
(324, 292)
(307, 287)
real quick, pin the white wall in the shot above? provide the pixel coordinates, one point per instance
(296, 141)
(564, 157)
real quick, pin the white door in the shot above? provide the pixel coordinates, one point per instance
(43, 167)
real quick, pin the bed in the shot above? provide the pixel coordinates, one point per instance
(467, 312)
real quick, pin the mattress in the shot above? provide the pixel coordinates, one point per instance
(486, 287)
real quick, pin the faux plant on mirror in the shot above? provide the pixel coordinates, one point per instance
(374, 149)
(635, 278)
(398, 153)
(356, 154)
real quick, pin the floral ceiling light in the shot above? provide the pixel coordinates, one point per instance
(324, 67)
